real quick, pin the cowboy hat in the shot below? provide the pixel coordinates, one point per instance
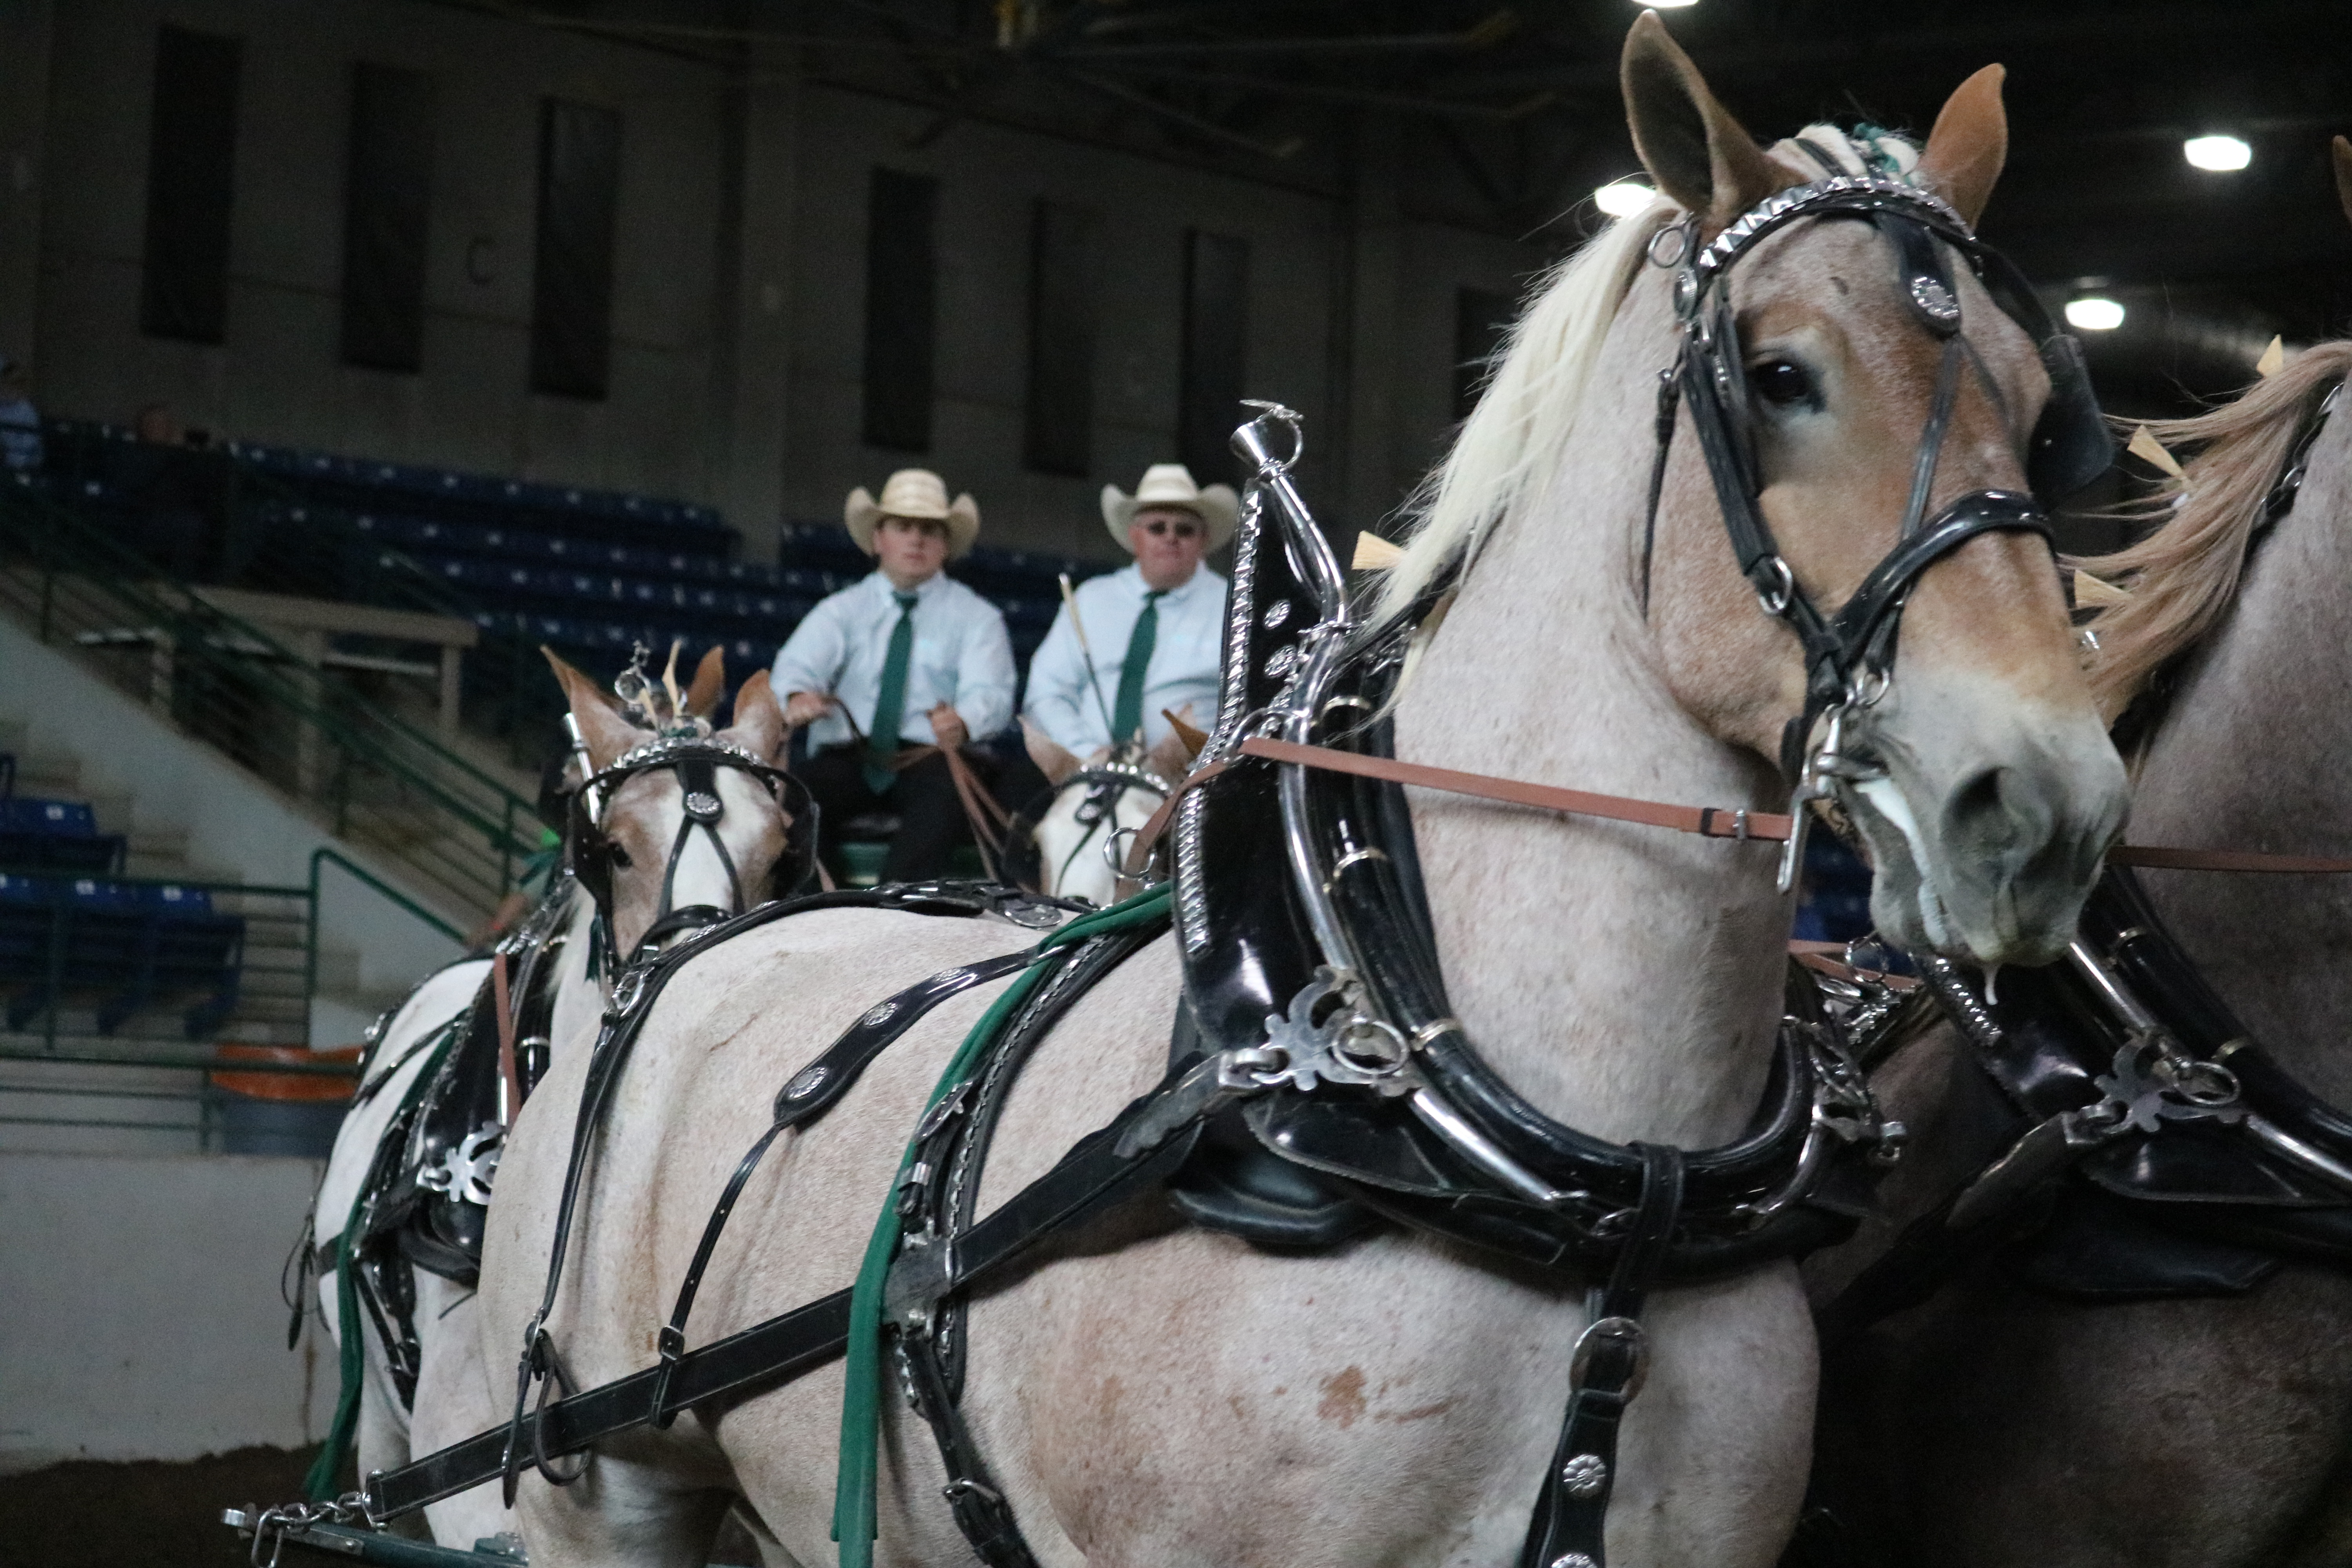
(917, 493)
(1170, 485)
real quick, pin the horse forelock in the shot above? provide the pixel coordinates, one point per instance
(2183, 575)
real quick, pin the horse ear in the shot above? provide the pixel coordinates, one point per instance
(759, 724)
(605, 733)
(1171, 759)
(709, 684)
(2343, 150)
(1970, 142)
(1698, 154)
(1052, 759)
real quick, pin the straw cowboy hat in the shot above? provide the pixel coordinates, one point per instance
(1170, 485)
(917, 493)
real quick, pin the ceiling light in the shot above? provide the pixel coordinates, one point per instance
(2221, 154)
(1666, 4)
(1622, 198)
(2095, 314)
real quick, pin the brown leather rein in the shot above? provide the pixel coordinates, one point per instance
(1708, 821)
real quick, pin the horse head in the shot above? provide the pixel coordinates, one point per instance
(1879, 396)
(678, 825)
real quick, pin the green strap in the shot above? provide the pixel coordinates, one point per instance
(890, 708)
(1126, 713)
(856, 1486)
(350, 1358)
(323, 1483)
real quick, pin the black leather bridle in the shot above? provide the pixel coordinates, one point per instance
(696, 759)
(1853, 650)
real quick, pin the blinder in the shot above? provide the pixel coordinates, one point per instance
(696, 760)
(1847, 652)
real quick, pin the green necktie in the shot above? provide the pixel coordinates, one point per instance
(1126, 713)
(890, 708)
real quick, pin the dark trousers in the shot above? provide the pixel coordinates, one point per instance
(923, 798)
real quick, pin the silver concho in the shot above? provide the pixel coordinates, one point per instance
(879, 1015)
(1278, 662)
(805, 1082)
(1935, 300)
(1277, 614)
(1572, 1560)
(1584, 1475)
(702, 807)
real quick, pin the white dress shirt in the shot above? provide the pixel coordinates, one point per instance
(961, 657)
(1185, 660)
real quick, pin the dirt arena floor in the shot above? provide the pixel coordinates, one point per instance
(87, 1514)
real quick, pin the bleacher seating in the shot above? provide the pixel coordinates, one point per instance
(118, 946)
(589, 572)
(43, 835)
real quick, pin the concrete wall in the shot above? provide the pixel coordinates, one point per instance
(737, 322)
(277, 378)
(139, 1308)
(238, 828)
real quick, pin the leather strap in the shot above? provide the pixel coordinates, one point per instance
(2224, 860)
(1709, 821)
(1611, 1358)
(806, 1096)
(1091, 1177)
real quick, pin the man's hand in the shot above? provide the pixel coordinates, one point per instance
(806, 708)
(947, 728)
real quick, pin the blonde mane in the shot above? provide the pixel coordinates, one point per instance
(1514, 442)
(2180, 577)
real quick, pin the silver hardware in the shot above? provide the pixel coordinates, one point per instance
(1276, 614)
(1278, 662)
(805, 1082)
(1479, 1150)
(628, 992)
(1783, 593)
(465, 1173)
(1352, 857)
(1826, 767)
(1681, 235)
(1436, 1029)
(1935, 300)
(1584, 1476)
(881, 1013)
(703, 808)
(1346, 1047)
(1571, 1560)
(1624, 1332)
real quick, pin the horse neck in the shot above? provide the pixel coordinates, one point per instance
(1625, 979)
(2252, 755)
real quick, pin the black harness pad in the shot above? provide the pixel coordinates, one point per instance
(2196, 1208)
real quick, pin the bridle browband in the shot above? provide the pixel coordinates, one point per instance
(696, 759)
(1849, 654)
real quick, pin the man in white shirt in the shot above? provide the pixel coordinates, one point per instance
(1146, 638)
(907, 657)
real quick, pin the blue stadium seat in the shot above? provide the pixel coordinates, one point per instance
(56, 835)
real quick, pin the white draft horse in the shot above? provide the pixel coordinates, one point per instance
(1158, 1396)
(1999, 1422)
(644, 814)
(1099, 804)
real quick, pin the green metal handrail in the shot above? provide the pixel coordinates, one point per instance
(465, 798)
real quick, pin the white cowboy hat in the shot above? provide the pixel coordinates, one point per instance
(917, 493)
(1170, 485)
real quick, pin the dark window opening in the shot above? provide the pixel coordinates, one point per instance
(901, 296)
(191, 187)
(387, 204)
(1058, 437)
(571, 274)
(1217, 332)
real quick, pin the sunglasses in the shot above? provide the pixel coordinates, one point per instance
(1182, 528)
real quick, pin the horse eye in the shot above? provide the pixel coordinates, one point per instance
(1782, 382)
(621, 857)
